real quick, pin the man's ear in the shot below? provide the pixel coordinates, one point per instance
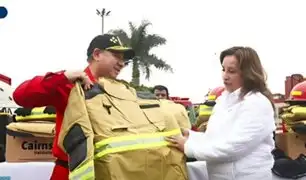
(96, 53)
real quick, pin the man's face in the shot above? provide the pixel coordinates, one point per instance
(109, 64)
(160, 94)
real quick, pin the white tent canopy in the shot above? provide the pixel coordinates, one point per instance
(6, 99)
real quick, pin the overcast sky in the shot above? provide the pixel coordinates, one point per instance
(40, 36)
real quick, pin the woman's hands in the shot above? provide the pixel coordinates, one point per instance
(179, 141)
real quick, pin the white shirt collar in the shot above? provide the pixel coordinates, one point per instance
(235, 93)
(231, 98)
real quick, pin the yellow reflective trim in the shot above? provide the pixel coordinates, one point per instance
(4, 113)
(38, 110)
(130, 148)
(144, 138)
(296, 93)
(133, 137)
(207, 113)
(36, 113)
(85, 172)
(36, 116)
(211, 97)
(205, 107)
(118, 48)
(205, 110)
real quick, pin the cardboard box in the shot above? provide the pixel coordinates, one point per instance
(25, 149)
(291, 143)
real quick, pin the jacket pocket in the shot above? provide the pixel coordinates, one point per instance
(104, 116)
(181, 171)
(177, 164)
(120, 130)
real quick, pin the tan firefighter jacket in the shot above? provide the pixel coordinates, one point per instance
(29, 122)
(178, 111)
(36, 129)
(110, 134)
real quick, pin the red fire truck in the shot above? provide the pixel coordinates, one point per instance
(5, 79)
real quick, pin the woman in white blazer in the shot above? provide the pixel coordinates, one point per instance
(238, 141)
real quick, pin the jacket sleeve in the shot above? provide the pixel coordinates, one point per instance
(253, 125)
(40, 91)
(76, 136)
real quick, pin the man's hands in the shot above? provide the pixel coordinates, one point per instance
(81, 76)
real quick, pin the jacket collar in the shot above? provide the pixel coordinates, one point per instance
(89, 74)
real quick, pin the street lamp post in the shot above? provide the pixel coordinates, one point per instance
(102, 14)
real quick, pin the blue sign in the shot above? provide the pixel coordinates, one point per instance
(5, 177)
(3, 14)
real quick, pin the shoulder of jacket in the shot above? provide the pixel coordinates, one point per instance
(123, 82)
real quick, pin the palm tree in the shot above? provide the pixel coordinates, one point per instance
(142, 43)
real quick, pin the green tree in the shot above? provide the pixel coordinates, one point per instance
(142, 42)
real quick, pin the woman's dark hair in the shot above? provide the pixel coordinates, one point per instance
(252, 72)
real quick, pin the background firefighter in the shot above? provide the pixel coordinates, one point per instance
(205, 109)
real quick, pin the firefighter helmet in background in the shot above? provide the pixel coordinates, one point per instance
(205, 109)
(215, 93)
(298, 94)
(295, 118)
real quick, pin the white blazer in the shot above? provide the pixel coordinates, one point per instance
(238, 141)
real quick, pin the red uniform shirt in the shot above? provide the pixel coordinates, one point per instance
(53, 89)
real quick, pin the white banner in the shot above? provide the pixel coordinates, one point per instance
(27, 170)
(42, 171)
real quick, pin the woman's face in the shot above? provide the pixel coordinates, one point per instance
(231, 73)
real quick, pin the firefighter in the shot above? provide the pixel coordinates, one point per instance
(205, 109)
(106, 57)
